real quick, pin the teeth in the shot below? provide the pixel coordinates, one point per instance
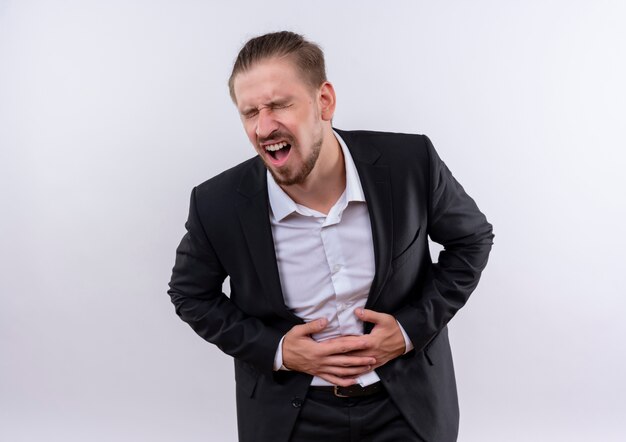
(275, 147)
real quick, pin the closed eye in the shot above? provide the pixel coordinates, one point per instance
(273, 106)
(281, 106)
(250, 114)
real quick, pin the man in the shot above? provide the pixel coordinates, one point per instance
(337, 317)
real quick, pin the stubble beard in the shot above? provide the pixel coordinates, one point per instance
(287, 177)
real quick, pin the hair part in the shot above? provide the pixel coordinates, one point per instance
(306, 56)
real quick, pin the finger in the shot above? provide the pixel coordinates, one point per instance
(347, 371)
(372, 316)
(361, 353)
(379, 363)
(348, 361)
(336, 380)
(344, 344)
(310, 327)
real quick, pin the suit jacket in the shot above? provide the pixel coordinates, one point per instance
(411, 195)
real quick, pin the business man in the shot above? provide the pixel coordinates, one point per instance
(337, 316)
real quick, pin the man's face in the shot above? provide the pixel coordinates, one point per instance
(282, 117)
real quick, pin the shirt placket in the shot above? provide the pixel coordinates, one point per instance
(335, 257)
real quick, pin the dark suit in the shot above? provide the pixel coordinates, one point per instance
(411, 195)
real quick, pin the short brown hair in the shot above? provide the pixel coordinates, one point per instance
(307, 56)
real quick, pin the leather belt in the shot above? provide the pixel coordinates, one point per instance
(353, 390)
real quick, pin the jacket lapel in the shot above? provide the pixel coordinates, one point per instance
(254, 219)
(255, 223)
(377, 188)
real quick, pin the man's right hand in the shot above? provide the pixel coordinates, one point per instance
(326, 359)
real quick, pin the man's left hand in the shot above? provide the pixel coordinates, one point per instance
(385, 342)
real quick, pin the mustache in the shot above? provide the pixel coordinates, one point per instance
(277, 135)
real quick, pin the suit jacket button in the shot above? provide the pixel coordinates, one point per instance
(297, 402)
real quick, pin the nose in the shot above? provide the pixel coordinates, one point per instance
(265, 124)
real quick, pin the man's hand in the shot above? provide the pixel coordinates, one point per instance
(335, 360)
(385, 342)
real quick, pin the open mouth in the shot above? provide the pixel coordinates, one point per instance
(278, 152)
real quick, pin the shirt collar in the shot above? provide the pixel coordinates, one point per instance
(282, 205)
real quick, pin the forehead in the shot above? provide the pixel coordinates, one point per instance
(268, 80)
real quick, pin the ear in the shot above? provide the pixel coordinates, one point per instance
(327, 101)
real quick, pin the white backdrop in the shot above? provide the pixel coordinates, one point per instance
(111, 111)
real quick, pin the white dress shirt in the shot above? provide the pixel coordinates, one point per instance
(325, 262)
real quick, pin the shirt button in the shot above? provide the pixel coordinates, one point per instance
(336, 268)
(297, 402)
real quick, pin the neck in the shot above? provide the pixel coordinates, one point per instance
(326, 182)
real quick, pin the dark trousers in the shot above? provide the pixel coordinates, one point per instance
(327, 418)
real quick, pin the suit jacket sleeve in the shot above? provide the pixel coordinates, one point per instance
(454, 221)
(196, 292)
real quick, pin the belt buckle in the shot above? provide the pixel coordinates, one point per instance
(336, 391)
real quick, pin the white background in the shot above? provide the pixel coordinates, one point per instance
(111, 111)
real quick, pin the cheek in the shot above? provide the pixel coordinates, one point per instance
(251, 133)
